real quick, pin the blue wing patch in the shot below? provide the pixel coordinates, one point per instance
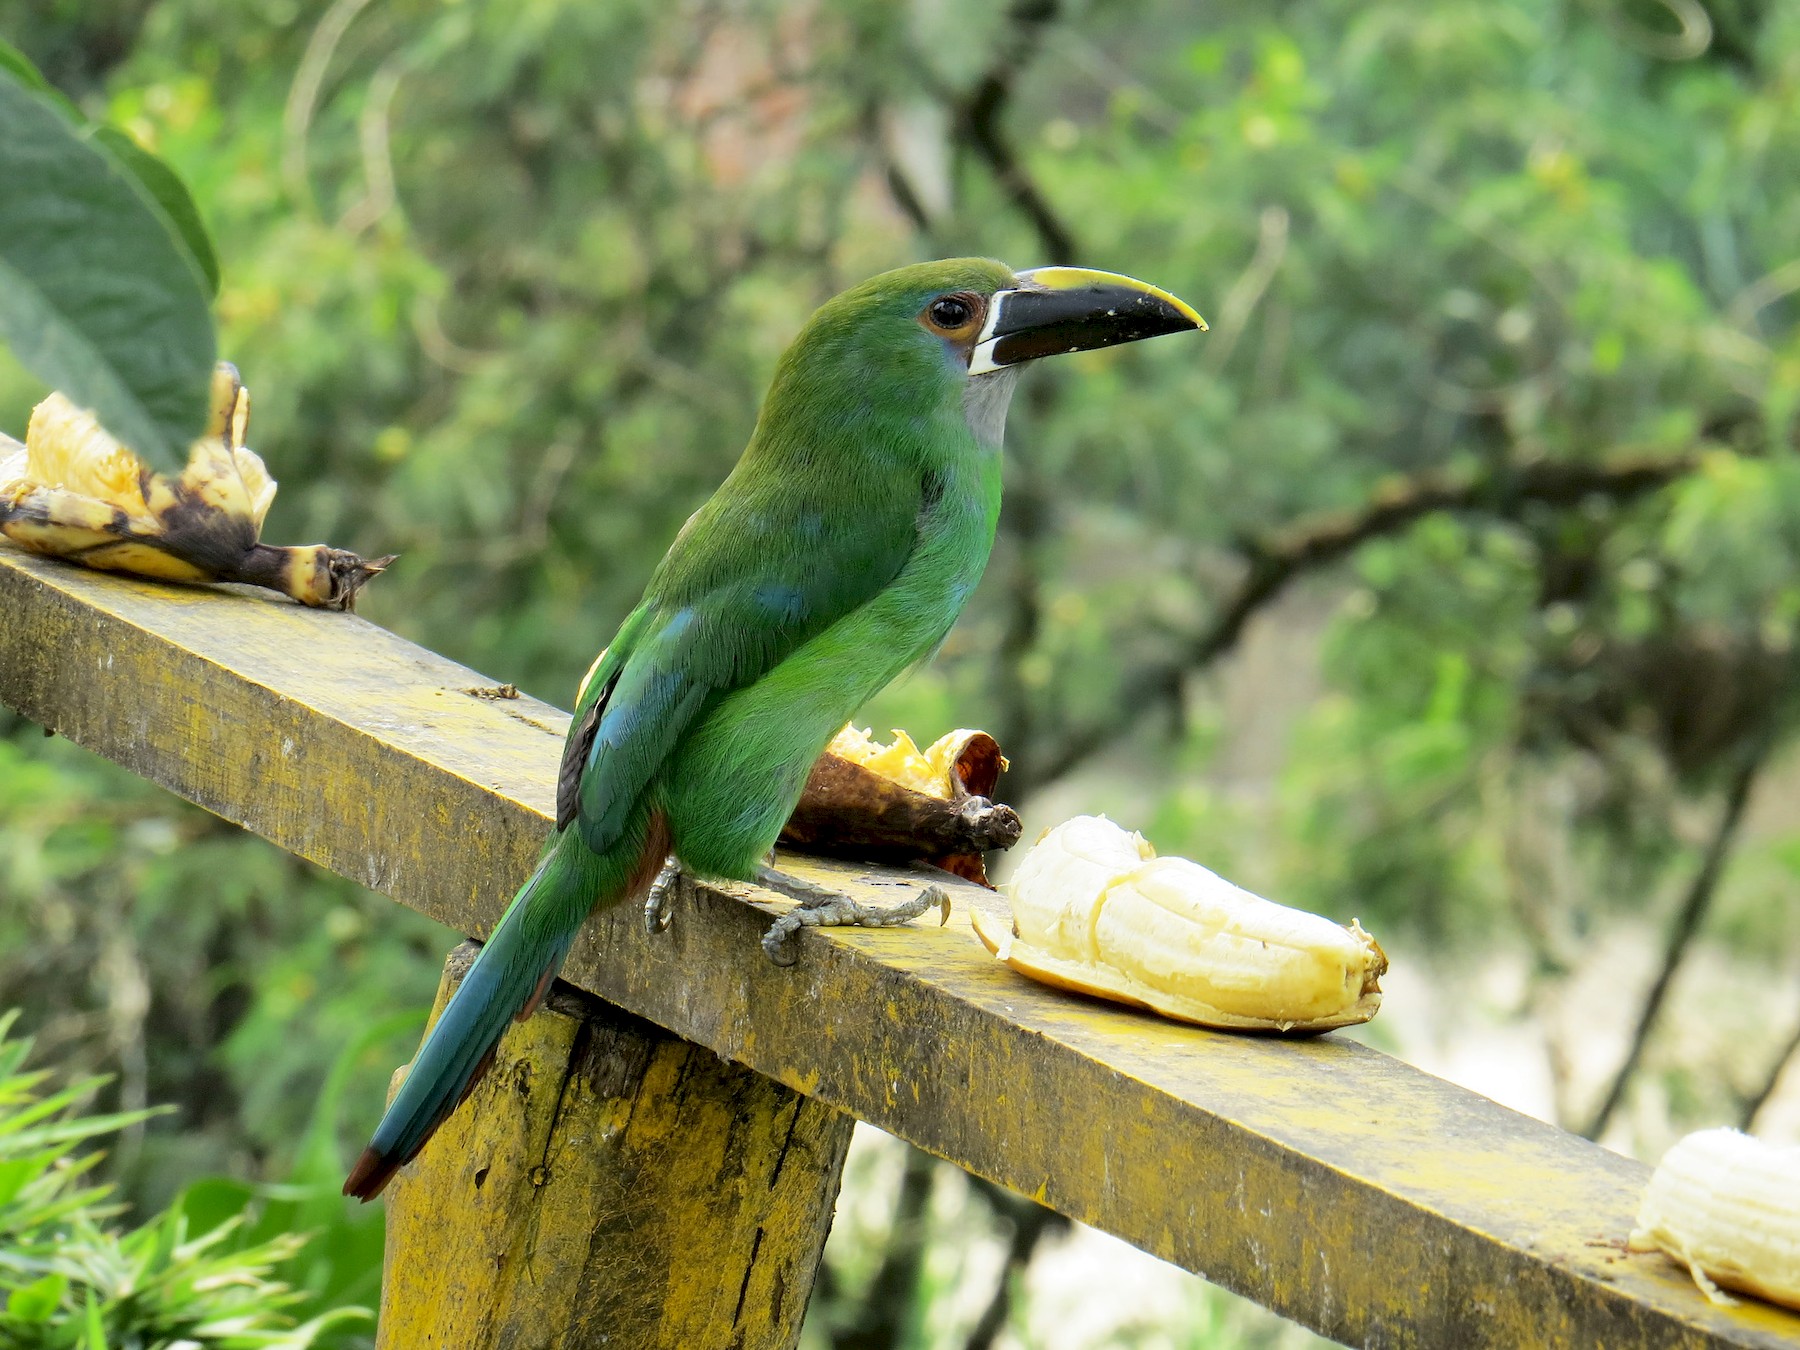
(731, 601)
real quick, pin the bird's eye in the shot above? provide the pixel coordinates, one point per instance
(950, 312)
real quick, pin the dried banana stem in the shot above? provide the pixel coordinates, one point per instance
(1094, 910)
(849, 810)
(1727, 1206)
(74, 492)
(313, 574)
(897, 803)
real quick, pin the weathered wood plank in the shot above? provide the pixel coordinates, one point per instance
(610, 1185)
(1371, 1201)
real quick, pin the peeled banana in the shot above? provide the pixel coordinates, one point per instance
(1727, 1206)
(1095, 910)
(72, 491)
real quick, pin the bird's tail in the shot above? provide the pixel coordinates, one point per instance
(506, 981)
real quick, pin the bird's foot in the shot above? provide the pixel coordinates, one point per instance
(821, 908)
(659, 905)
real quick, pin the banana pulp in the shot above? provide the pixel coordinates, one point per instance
(1727, 1206)
(932, 771)
(1095, 910)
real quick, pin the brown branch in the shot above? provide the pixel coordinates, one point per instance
(906, 197)
(1681, 934)
(978, 125)
(1283, 556)
(1753, 1105)
(880, 1320)
(1030, 1223)
(1025, 522)
(900, 188)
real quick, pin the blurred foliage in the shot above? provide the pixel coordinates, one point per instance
(73, 1281)
(203, 970)
(1367, 598)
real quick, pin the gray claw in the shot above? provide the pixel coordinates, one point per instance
(659, 905)
(820, 908)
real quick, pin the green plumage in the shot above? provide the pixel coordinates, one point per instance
(837, 553)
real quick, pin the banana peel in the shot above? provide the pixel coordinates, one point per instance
(899, 804)
(74, 492)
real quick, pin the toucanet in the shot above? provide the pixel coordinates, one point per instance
(836, 554)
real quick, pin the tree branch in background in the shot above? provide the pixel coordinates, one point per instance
(1247, 291)
(1030, 1223)
(1753, 1105)
(303, 99)
(906, 197)
(1025, 520)
(978, 125)
(901, 189)
(1687, 922)
(880, 1321)
(1282, 556)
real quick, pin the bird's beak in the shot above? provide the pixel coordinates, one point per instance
(1071, 309)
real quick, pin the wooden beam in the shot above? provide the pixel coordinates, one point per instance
(1338, 1186)
(610, 1184)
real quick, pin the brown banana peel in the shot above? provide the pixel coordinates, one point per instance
(72, 491)
(899, 804)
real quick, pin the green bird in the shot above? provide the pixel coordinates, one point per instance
(836, 554)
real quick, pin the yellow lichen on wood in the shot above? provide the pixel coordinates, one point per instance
(610, 1184)
(1337, 1185)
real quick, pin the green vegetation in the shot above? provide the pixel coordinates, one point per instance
(1454, 583)
(72, 1280)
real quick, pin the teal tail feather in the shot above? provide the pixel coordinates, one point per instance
(506, 981)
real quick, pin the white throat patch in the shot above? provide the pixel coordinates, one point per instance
(985, 400)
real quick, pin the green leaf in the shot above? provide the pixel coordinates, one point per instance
(171, 194)
(37, 1301)
(76, 1128)
(303, 1336)
(11, 58)
(16, 1172)
(211, 1201)
(98, 297)
(157, 178)
(14, 60)
(96, 1329)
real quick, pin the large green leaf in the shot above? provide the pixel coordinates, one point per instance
(164, 184)
(11, 58)
(98, 295)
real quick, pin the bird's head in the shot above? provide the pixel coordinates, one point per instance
(954, 334)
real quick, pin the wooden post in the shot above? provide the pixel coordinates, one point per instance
(610, 1184)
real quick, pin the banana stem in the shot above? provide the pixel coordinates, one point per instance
(313, 574)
